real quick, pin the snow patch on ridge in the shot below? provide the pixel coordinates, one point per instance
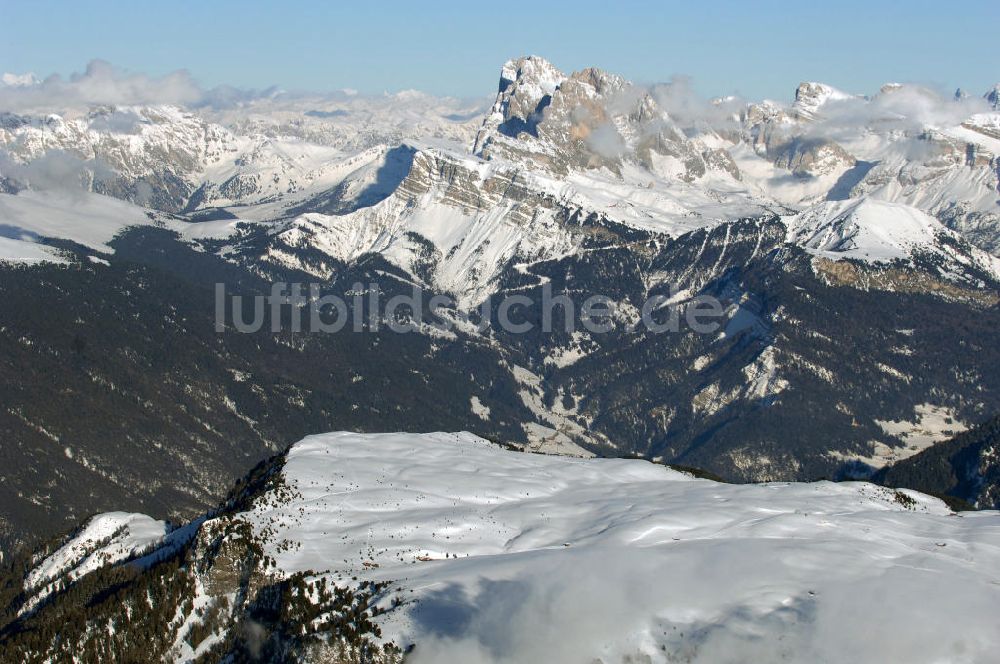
(88, 219)
(864, 229)
(878, 231)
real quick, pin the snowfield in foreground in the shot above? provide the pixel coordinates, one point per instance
(502, 556)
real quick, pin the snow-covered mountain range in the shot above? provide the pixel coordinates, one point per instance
(552, 144)
(832, 226)
(637, 154)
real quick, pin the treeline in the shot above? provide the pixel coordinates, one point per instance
(964, 470)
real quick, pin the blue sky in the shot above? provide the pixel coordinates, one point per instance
(758, 49)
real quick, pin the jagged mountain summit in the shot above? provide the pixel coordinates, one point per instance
(811, 96)
(358, 548)
(588, 120)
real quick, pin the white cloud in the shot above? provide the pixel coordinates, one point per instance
(56, 170)
(606, 141)
(18, 80)
(101, 83)
(688, 109)
(908, 108)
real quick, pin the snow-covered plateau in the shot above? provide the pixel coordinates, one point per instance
(492, 555)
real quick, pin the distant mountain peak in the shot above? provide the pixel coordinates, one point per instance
(992, 97)
(591, 119)
(810, 96)
(530, 70)
(526, 86)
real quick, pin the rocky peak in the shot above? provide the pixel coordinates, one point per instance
(759, 122)
(810, 157)
(602, 83)
(531, 75)
(811, 96)
(589, 119)
(526, 88)
(545, 116)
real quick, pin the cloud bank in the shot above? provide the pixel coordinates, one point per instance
(902, 108)
(101, 84)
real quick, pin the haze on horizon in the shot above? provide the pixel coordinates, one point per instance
(757, 51)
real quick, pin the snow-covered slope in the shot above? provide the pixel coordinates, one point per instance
(877, 231)
(104, 540)
(500, 556)
(16, 250)
(172, 158)
(869, 230)
(474, 216)
(905, 144)
(87, 219)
